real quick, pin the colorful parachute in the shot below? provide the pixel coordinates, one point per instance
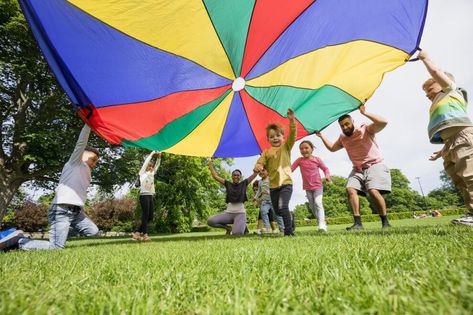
(204, 78)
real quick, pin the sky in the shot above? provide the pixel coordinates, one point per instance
(404, 142)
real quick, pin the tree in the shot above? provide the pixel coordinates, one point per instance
(185, 191)
(447, 183)
(336, 201)
(252, 210)
(442, 198)
(402, 196)
(39, 128)
(447, 195)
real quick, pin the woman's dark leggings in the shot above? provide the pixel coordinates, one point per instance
(147, 209)
(280, 199)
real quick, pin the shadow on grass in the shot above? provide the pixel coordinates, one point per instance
(97, 241)
(434, 230)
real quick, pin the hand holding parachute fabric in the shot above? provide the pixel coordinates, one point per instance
(204, 78)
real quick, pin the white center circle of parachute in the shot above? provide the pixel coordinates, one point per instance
(238, 84)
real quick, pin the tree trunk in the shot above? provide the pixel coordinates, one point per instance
(8, 187)
(12, 166)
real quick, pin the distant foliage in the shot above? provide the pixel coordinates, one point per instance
(186, 192)
(335, 199)
(31, 217)
(108, 213)
(302, 212)
(402, 197)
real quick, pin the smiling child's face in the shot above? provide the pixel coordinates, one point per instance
(275, 138)
(431, 89)
(306, 150)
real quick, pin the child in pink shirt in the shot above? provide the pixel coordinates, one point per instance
(311, 181)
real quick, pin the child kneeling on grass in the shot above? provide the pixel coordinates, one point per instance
(67, 209)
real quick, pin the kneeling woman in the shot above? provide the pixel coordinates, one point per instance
(235, 213)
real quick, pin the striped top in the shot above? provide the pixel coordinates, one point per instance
(263, 190)
(448, 109)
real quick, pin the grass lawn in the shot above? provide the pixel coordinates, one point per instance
(418, 267)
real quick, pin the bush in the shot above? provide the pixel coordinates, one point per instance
(31, 217)
(109, 213)
(375, 217)
(127, 226)
(200, 228)
(8, 221)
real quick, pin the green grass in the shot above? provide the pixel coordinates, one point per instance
(418, 267)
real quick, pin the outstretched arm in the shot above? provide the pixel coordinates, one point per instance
(436, 155)
(378, 122)
(437, 74)
(295, 165)
(146, 162)
(291, 138)
(76, 156)
(214, 173)
(252, 176)
(332, 147)
(260, 163)
(157, 154)
(324, 168)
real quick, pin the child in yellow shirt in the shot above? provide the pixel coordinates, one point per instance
(277, 160)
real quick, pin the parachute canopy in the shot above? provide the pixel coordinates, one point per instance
(204, 78)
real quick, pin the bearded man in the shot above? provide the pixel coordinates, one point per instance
(369, 174)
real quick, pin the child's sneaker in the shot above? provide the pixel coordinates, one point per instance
(136, 236)
(258, 231)
(465, 220)
(10, 239)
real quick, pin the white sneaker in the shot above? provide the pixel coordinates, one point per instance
(465, 220)
(258, 232)
(323, 229)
